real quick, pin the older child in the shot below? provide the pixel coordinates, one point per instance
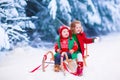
(65, 43)
(80, 37)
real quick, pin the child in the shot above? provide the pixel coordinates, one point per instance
(65, 43)
(80, 37)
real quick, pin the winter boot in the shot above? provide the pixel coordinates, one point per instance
(79, 69)
(56, 68)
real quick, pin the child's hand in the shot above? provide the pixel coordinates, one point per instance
(71, 51)
(96, 39)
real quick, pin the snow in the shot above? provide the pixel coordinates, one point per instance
(4, 43)
(22, 3)
(10, 11)
(65, 6)
(102, 64)
(93, 16)
(13, 23)
(105, 59)
(2, 1)
(53, 8)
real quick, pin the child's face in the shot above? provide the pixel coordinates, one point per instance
(65, 33)
(78, 28)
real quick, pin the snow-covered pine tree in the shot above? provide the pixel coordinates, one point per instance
(13, 23)
(95, 17)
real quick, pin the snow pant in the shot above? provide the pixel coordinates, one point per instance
(57, 58)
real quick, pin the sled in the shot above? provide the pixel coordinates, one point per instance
(67, 65)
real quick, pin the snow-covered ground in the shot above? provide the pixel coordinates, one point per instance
(102, 64)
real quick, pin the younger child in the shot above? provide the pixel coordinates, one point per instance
(80, 37)
(65, 43)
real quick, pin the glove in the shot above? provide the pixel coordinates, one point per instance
(96, 39)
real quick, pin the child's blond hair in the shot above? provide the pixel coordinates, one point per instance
(73, 24)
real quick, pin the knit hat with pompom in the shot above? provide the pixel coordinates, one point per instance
(64, 27)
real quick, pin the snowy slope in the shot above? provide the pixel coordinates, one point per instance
(102, 64)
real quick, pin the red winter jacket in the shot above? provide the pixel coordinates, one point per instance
(81, 39)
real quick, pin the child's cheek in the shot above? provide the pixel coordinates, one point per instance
(65, 35)
(76, 31)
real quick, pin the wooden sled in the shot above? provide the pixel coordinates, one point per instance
(67, 65)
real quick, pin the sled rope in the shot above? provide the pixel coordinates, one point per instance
(62, 65)
(65, 67)
(37, 68)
